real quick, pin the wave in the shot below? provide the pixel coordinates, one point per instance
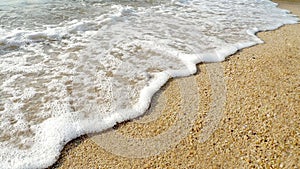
(84, 75)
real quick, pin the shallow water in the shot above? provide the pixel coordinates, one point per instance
(73, 67)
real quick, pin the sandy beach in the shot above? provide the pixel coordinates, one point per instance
(256, 126)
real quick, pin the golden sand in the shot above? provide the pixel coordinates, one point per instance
(260, 125)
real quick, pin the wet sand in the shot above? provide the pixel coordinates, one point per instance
(258, 128)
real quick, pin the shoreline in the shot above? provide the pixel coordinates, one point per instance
(255, 129)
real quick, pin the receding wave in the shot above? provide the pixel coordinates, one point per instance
(77, 67)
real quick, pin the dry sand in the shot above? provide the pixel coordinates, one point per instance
(260, 125)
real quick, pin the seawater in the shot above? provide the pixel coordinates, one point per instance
(73, 67)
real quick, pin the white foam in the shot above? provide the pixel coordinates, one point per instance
(85, 75)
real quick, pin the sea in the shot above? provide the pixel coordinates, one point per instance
(73, 67)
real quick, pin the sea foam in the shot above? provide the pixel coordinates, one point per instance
(64, 77)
